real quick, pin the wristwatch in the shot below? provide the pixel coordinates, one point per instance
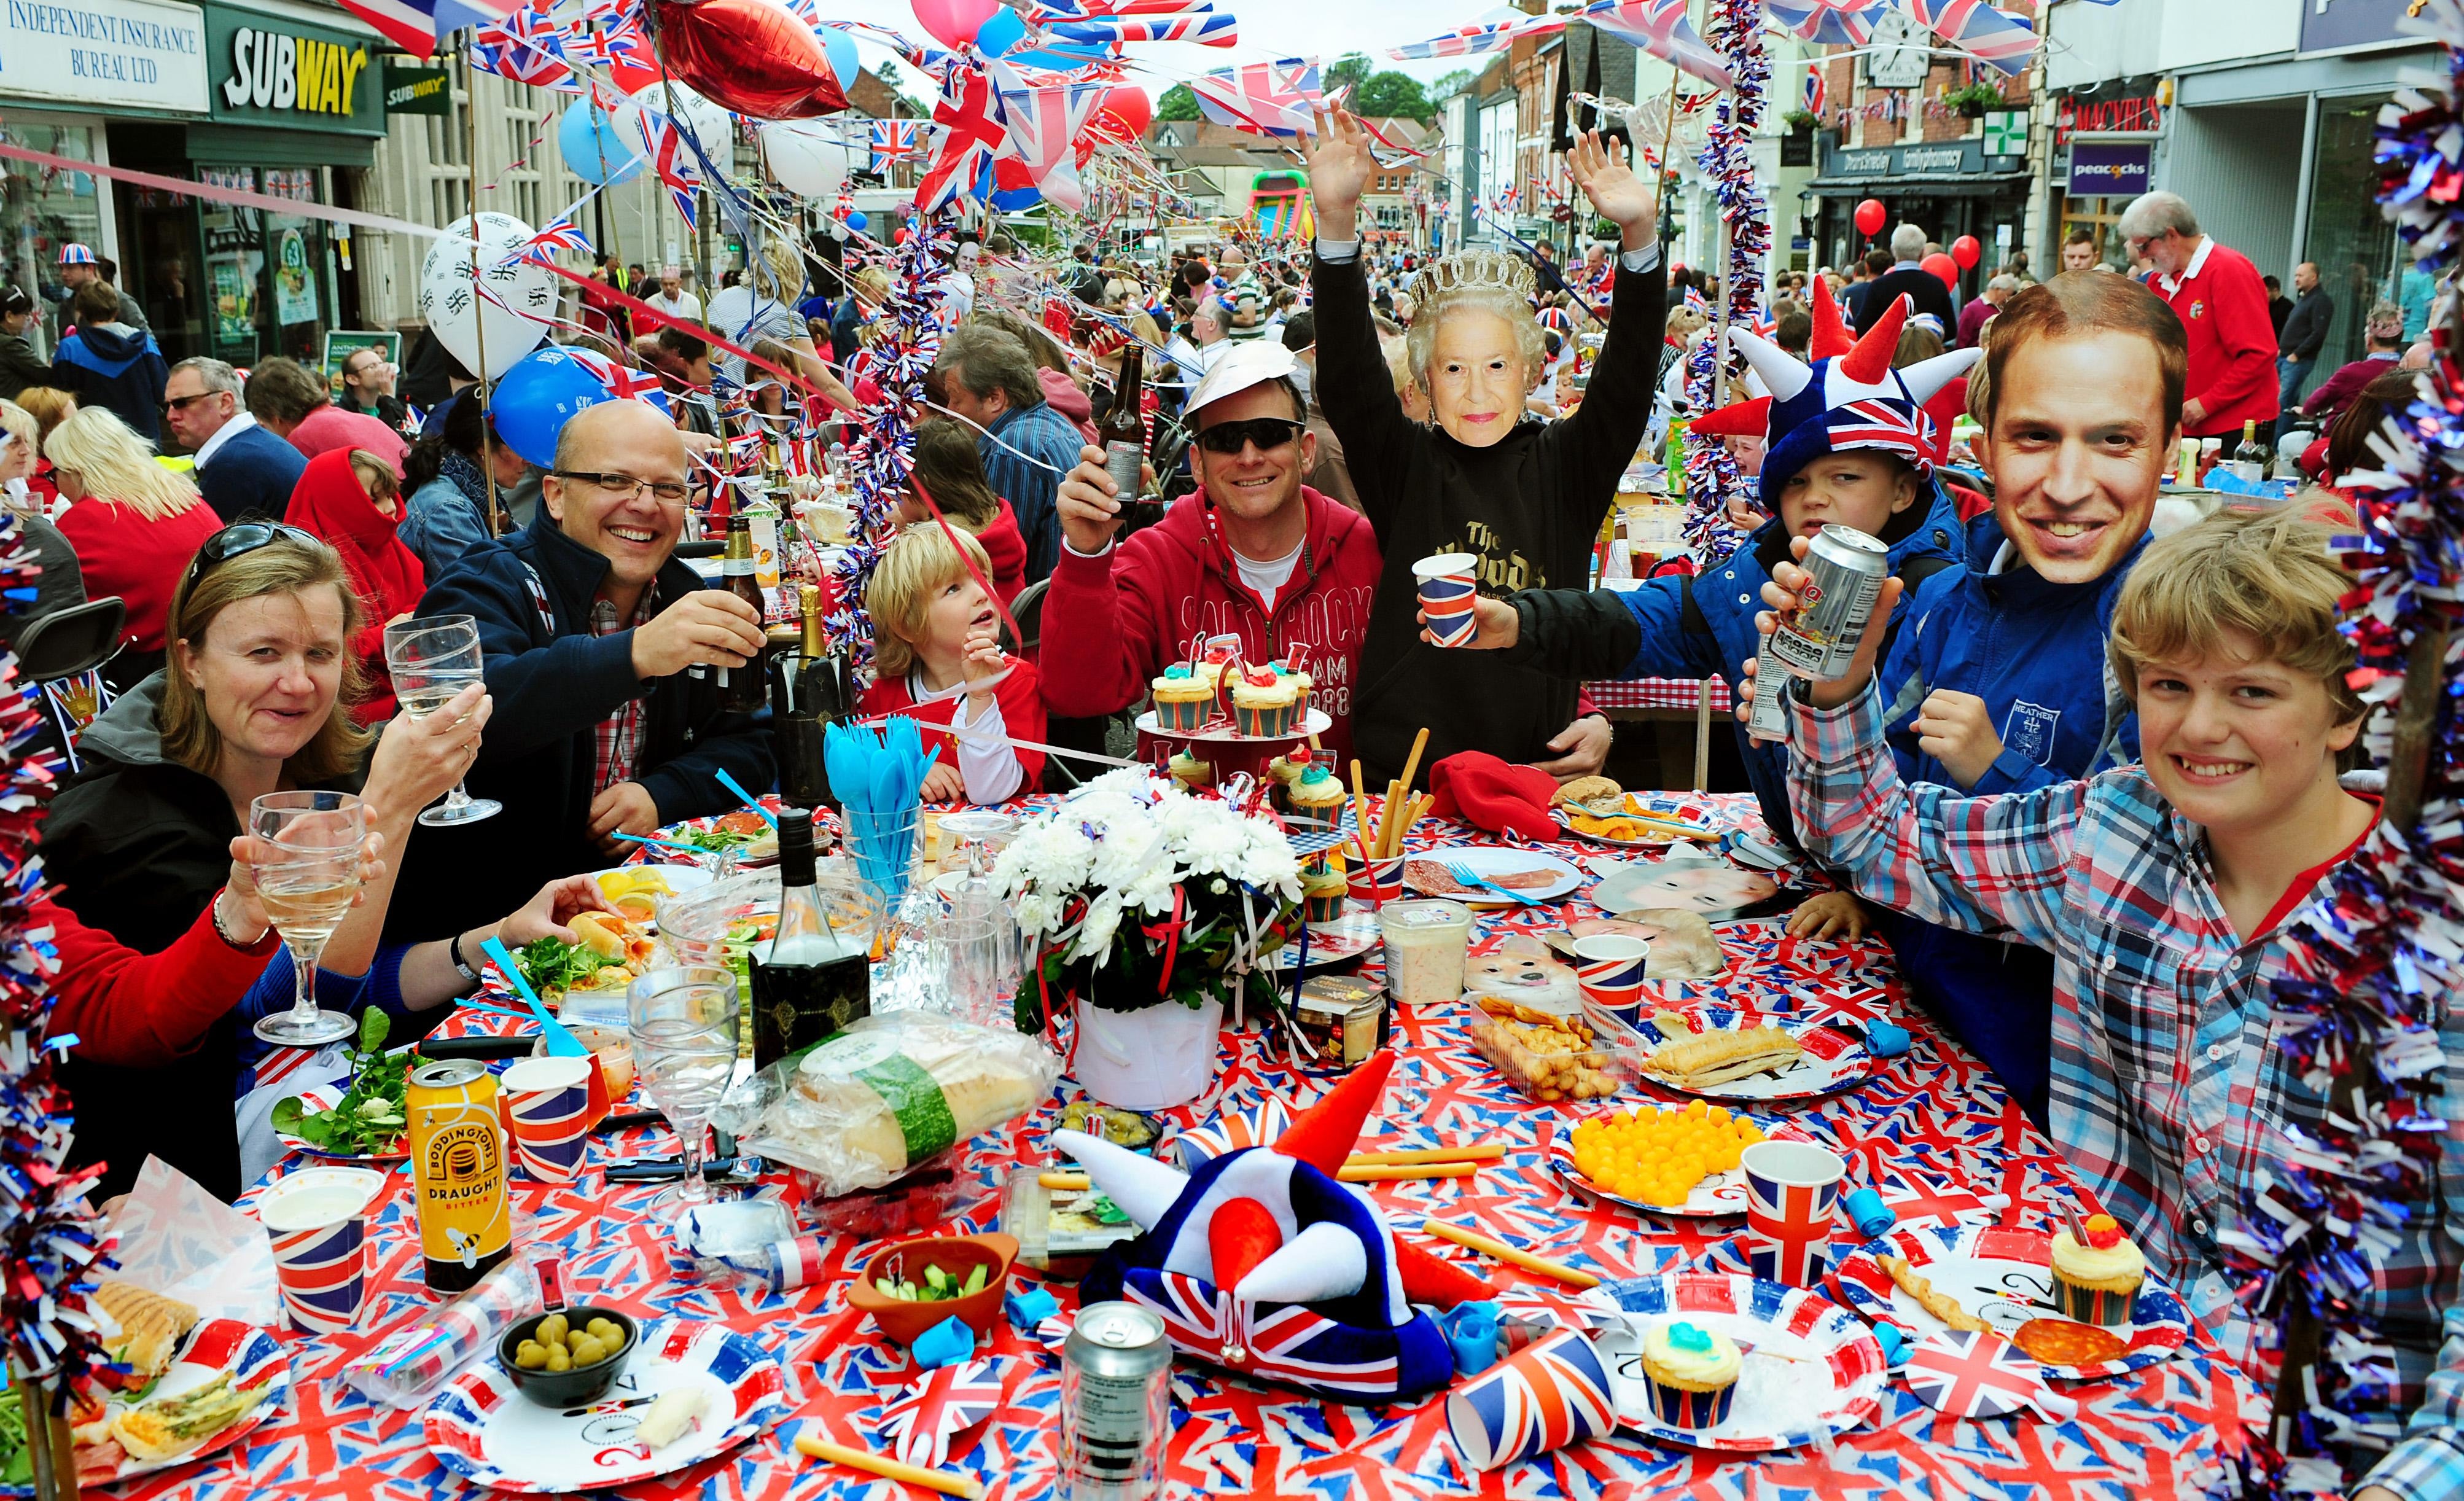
(453, 952)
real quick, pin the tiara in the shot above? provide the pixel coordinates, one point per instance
(1474, 270)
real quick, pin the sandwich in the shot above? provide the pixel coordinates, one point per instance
(1709, 1058)
(151, 1326)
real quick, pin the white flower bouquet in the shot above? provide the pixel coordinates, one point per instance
(1135, 893)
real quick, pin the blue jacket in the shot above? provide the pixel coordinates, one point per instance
(1705, 626)
(1027, 453)
(2034, 652)
(253, 471)
(554, 683)
(116, 366)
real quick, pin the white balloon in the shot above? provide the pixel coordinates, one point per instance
(711, 124)
(461, 318)
(808, 157)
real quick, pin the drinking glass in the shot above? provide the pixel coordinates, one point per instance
(307, 869)
(431, 659)
(683, 1024)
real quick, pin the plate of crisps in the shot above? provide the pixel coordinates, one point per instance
(1719, 1052)
(1673, 1160)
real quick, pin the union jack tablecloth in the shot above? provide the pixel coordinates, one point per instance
(1658, 693)
(1931, 1123)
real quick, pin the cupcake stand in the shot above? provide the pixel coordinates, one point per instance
(1217, 738)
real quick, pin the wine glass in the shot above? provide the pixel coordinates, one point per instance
(307, 869)
(431, 659)
(683, 1024)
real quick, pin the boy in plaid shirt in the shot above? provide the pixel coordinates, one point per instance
(2166, 890)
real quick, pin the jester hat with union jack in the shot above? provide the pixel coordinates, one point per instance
(1848, 398)
(1262, 1261)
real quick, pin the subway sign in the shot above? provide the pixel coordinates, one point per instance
(274, 72)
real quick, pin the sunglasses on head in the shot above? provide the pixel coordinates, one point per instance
(1267, 432)
(244, 537)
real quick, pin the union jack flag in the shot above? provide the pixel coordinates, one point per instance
(521, 52)
(1995, 37)
(896, 141)
(1214, 1326)
(1846, 22)
(1660, 27)
(942, 1404)
(1264, 99)
(1973, 1373)
(1884, 423)
(1818, 89)
(415, 25)
(1209, 28)
(561, 234)
(966, 134)
(1040, 125)
(1091, 9)
(623, 383)
(1479, 37)
(674, 163)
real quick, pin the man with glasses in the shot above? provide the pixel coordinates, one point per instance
(592, 628)
(1255, 553)
(2223, 307)
(242, 470)
(367, 388)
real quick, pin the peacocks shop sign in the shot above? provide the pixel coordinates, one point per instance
(273, 71)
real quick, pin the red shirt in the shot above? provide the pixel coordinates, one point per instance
(2223, 308)
(136, 1010)
(123, 553)
(330, 427)
(1006, 548)
(1022, 709)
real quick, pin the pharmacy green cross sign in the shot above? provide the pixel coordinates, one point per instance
(2005, 132)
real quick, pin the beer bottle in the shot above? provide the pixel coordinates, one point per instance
(741, 689)
(1123, 435)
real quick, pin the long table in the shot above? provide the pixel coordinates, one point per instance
(1931, 1123)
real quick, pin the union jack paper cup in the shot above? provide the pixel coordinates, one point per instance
(1609, 968)
(547, 1112)
(1448, 590)
(1541, 1398)
(1377, 882)
(319, 1221)
(1791, 1192)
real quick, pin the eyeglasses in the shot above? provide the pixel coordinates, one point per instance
(244, 537)
(1267, 432)
(668, 491)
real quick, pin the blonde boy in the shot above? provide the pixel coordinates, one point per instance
(938, 660)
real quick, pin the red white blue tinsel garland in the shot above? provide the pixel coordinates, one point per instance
(51, 1251)
(2387, 933)
(1712, 478)
(882, 458)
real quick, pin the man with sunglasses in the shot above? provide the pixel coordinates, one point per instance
(590, 626)
(1255, 553)
(242, 468)
(367, 388)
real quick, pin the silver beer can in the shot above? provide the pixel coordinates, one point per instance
(1115, 1405)
(1845, 569)
(1767, 721)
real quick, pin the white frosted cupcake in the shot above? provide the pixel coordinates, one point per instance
(1692, 1373)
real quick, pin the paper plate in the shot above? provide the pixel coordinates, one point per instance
(486, 1431)
(1347, 938)
(1811, 1367)
(1640, 805)
(1488, 860)
(2003, 1278)
(1832, 1060)
(249, 1354)
(1720, 1194)
(1314, 723)
(326, 1097)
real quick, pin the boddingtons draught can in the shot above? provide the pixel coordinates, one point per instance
(457, 1161)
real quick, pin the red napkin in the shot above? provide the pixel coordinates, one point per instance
(1486, 792)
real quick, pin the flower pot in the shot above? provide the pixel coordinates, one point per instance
(1153, 1058)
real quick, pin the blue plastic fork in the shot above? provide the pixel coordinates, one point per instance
(1463, 873)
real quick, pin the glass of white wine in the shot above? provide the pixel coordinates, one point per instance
(683, 1027)
(431, 658)
(307, 869)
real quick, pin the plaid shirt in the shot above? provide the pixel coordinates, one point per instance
(619, 734)
(2169, 1087)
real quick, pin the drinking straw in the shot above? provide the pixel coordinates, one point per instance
(560, 1044)
(748, 798)
(663, 844)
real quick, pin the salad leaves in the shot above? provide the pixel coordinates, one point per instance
(16, 1458)
(552, 964)
(370, 1119)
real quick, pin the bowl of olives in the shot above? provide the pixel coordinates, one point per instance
(567, 1358)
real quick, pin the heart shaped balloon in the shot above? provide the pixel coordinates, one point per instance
(754, 57)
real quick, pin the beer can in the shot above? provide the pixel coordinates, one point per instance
(1122, 461)
(1768, 719)
(457, 1163)
(1115, 1405)
(1844, 572)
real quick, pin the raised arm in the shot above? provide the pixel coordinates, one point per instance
(1601, 437)
(1353, 385)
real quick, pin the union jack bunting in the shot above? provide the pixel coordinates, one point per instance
(1040, 125)
(1088, 9)
(1222, 1330)
(537, 60)
(415, 25)
(1264, 99)
(1817, 90)
(623, 382)
(1209, 28)
(674, 163)
(1479, 37)
(942, 1404)
(561, 234)
(1995, 37)
(1972, 1374)
(1846, 22)
(896, 141)
(965, 136)
(1660, 27)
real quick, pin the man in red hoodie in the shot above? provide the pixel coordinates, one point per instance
(2222, 303)
(1255, 553)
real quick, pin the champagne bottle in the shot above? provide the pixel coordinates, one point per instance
(1123, 435)
(811, 981)
(741, 689)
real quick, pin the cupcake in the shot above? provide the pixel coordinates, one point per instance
(1300, 683)
(2098, 1282)
(1316, 795)
(1262, 709)
(1691, 1372)
(1323, 886)
(1183, 699)
(1191, 772)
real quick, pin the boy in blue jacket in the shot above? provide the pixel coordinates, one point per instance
(1846, 442)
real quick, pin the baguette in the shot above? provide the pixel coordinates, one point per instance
(151, 1326)
(1711, 1058)
(1941, 1305)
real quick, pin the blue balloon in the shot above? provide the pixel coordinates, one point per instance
(857, 222)
(841, 48)
(999, 32)
(594, 147)
(1013, 199)
(540, 395)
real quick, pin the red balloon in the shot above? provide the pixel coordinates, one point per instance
(1124, 113)
(749, 57)
(1870, 216)
(1967, 251)
(1942, 266)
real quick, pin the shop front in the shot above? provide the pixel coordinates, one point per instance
(2104, 155)
(295, 110)
(64, 71)
(1947, 188)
